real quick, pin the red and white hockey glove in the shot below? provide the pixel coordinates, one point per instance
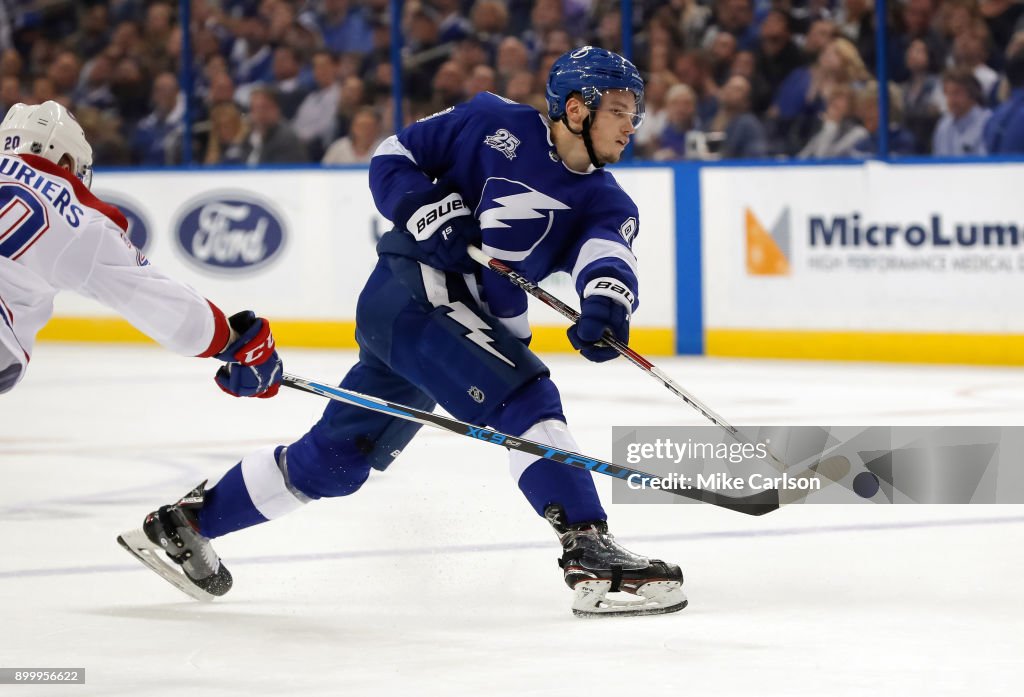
(253, 367)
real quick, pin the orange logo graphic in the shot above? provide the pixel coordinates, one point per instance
(767, 252)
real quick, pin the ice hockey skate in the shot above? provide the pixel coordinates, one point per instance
(595, 565)
(171, 532)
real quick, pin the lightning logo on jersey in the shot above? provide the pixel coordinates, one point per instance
(512, 200)
(524, 212)
(464, 316)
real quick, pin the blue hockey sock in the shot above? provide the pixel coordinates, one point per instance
(535, 413)
(227, 507)
(252, 492)
(545, 482)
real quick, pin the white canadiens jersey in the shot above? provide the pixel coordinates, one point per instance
(56, 235)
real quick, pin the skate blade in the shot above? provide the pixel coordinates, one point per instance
(140, 547)
(656, 598)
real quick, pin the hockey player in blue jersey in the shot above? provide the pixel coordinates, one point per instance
(434, 327)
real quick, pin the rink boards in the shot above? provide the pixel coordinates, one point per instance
(297, 245)
(918, 262)
(908, 262)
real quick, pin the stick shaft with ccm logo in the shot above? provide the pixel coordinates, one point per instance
(573, 316)
(635, 358)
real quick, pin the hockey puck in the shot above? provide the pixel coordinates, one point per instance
(865, 484)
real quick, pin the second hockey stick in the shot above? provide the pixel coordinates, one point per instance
(753, 504)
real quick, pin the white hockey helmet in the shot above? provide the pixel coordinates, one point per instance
(48, 130)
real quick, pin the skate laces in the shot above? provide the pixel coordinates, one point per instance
(589, 543)
(592, 546)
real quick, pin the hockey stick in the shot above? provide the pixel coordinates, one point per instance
(573, 316)
(757, 504)
(827, 471)
(635, 358)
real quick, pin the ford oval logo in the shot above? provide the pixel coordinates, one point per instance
(138, 227)
(230, 233)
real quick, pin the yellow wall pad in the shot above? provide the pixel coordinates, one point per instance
(647, 341)
(326, 334)
(974, 349)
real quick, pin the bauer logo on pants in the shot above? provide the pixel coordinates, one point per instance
(230, 232)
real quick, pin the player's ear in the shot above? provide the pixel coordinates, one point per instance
(67, 163)
(576, 110)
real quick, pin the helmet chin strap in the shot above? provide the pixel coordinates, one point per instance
(587, 141)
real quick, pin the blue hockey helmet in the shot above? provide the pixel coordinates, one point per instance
(591, 71)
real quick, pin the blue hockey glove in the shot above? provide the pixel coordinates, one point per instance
(599, 313)
(253, 367)
(442, 225)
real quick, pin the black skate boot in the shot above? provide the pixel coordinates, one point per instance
(173, 529)
(595, 565)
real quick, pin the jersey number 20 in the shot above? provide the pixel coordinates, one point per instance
(23, 219)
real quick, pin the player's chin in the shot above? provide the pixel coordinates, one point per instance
(612, 157)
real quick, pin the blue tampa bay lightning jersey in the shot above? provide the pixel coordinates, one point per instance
(535, 214)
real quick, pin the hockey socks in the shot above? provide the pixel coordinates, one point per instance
(545, 482)
(252, 492)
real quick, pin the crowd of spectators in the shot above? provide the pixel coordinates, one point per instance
(290, 81)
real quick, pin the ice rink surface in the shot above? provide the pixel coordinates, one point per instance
(437, 579)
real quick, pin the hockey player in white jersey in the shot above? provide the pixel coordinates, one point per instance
(435, 328)
(55, 235)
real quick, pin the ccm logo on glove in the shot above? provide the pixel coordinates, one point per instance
(429, 218)
(253, 368)
(257, 343)
(258, 350)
